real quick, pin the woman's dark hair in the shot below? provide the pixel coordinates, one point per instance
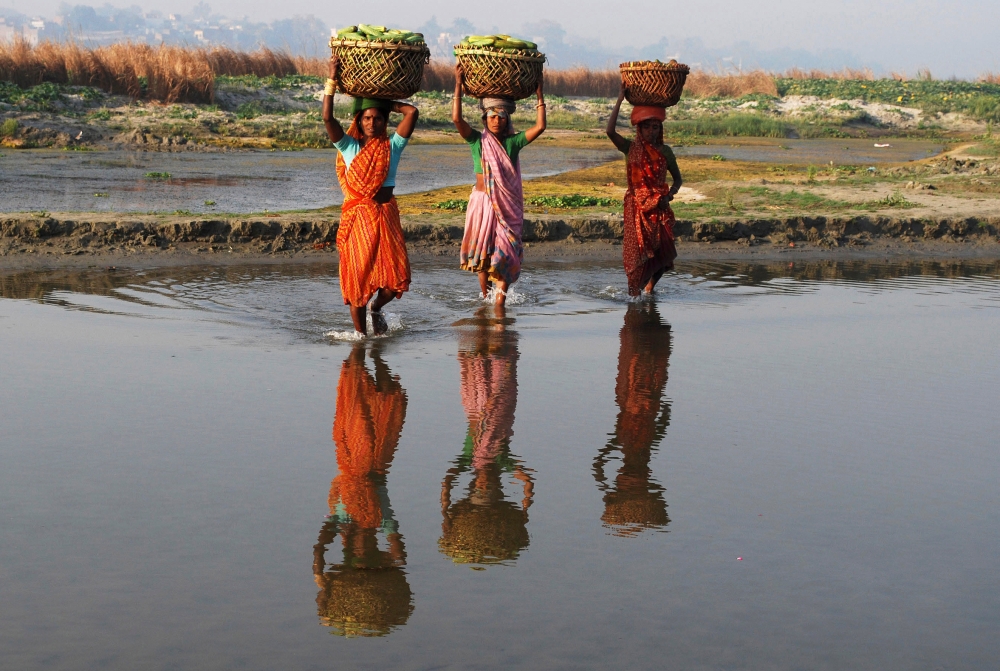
(383, 112)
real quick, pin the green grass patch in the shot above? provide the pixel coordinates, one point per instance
(979, 100)
(157, 175)
(9, 128)
(453, 204)
(895, 200)
(729, 125)
(573, 201)
(270, 82)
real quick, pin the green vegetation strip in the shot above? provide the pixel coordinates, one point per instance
(979, 100)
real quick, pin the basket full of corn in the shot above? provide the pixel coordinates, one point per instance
(499, 65)
(653, 82)
(379, 62)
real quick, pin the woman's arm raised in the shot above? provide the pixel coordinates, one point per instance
(612, 128)
(532, 133)
(333, 127)
(464, 129)
(409, 122)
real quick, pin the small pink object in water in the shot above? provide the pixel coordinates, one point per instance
(739, 559)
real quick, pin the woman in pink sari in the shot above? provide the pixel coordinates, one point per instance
(492, 245)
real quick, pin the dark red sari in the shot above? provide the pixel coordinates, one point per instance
(648, 246)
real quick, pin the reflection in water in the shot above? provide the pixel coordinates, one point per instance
(483, 527)
(635, 501)
(367, 594)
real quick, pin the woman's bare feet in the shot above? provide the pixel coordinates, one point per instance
(379, 324)
(501, 297)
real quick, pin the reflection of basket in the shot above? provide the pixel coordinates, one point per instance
(653, 83)
(364, 602)
(490, 72)
(390, 70)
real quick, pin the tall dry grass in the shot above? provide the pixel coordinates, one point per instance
(990, 78)
(702, 84)
(164, 73)
(864, 75)
(180, 74)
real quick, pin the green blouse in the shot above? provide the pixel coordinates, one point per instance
(512, 144)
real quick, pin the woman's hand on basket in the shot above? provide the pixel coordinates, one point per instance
(459, 74)
(621, 92)
(334, 66)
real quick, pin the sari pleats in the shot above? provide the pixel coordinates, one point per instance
(370, 238)
(495, 219)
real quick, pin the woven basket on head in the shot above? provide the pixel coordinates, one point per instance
(653, 83)
(390, 70)
(503, 74)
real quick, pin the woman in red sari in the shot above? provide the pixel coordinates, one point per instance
(633, 500)
(374, 266)
(648, 248)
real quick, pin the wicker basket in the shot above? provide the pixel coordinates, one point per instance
(389, 70)
(503, 74)
(654, 83)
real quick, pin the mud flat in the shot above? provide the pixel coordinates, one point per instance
(81, 240)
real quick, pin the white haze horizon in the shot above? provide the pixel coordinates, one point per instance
(950, 39)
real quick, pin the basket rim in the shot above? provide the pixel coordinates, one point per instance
(638, 66)
(372, 44)
(517, 55)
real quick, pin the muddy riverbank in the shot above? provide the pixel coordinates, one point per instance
(75, 240)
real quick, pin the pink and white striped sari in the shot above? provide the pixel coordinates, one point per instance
(494, 220)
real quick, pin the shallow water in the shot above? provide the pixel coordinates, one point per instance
(846, 151)
(245, 181)
(769, 467)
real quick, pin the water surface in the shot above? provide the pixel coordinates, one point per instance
(767, 467)
(241, 181)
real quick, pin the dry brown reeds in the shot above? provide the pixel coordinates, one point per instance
(263, 63)
(702, 84)
(865, 75)
(990, 78)
(438, 76)
(169, 74)
(580, 81)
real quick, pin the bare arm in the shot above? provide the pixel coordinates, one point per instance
(464, 129)
(675, 174)
(532, 133)
(409, 122)
(333, 127)
(612, 129)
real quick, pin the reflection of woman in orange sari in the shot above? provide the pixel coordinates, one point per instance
(373, 260)
(367, 594)
(648, 243)
(635, 501)
(485, 528)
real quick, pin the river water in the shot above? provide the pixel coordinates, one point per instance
(242, 181)
(782, 467)
(260, 181)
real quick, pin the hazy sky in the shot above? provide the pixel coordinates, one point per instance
(961, 37)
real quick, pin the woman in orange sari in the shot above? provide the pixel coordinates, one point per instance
(365, 594)
(648, 248)
(374, 266)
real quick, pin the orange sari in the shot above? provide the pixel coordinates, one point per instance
(370, 237)
(648, 244)
(366, 430)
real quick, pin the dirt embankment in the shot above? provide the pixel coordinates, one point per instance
(101, 234)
